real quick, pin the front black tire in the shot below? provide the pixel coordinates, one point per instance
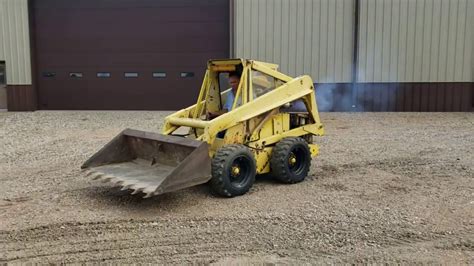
(233, 170)
(291, 160)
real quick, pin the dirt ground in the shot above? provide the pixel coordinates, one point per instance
(387, 187)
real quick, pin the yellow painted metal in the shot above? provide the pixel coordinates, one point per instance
(295, 89)
(314, 149)
(202, 94)
(267, 69)
(281, 123)
(223, 68)
(235, 170)
(296, 132)
(262, 159)
(268, 65)
(218, 62)
(249, 85)
(257, 123)
(188, 122)
(241, 90)
(292, 160)
(266, 131)
(235, 134)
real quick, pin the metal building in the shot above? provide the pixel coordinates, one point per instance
(367, 55)
(15, 56)
(364, 55)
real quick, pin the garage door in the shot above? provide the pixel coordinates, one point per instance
(126, 54)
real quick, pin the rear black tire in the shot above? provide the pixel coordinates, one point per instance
(291, 160)
(226, 180)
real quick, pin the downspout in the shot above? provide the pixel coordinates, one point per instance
(231, 28)
(355, 58)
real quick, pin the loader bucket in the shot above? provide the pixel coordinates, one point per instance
(151, 163)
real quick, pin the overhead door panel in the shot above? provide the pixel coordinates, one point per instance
(124, 54)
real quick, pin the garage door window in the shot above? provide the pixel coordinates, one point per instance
(103, 74)
(159, 75)
(187, 74)
(75, 75)
(48, 74)
(130, 75)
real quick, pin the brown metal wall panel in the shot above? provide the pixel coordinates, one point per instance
(396, 91)
(21, 98)
(142, 36)
(379, 101)
(393, 92)
(400, 94)
(375, 97)
(400, 97)
(440, 96)
(369, 102)
(345, 97)
(384, 97)
(424, 92)
(467, 101)
(433, 94)
(407, 97)
(448, 100)
(471, 91)
(416, 104)
(457, 96)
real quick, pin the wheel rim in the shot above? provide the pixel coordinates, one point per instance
(239, 171)
(297, 160)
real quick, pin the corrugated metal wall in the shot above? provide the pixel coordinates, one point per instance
(302, 36)
(416, 41)
(399, 40)
(413, 55)
(15, 41)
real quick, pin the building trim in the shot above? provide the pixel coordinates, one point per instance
(231, 28)
(355, 53)
(21, 98)
(396, 97)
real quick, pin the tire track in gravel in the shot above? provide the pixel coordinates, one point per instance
(398, 165)
(204, 240)
(188, 239)
(442, 249)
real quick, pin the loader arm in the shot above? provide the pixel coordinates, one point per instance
(297, 88)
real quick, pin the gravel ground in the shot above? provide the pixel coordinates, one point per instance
(387, 187)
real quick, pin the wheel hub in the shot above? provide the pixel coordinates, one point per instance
(235, 171)
(292, 159)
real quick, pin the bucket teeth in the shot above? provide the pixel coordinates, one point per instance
(90, 172)
(149, 189)
(137, 190)
(97, 175)
(148, 195)
(126, 185)
(115, 181)
(107, 178)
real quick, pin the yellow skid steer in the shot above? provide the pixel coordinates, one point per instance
(268, 127)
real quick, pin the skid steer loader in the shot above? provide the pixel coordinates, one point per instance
(269, 129)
